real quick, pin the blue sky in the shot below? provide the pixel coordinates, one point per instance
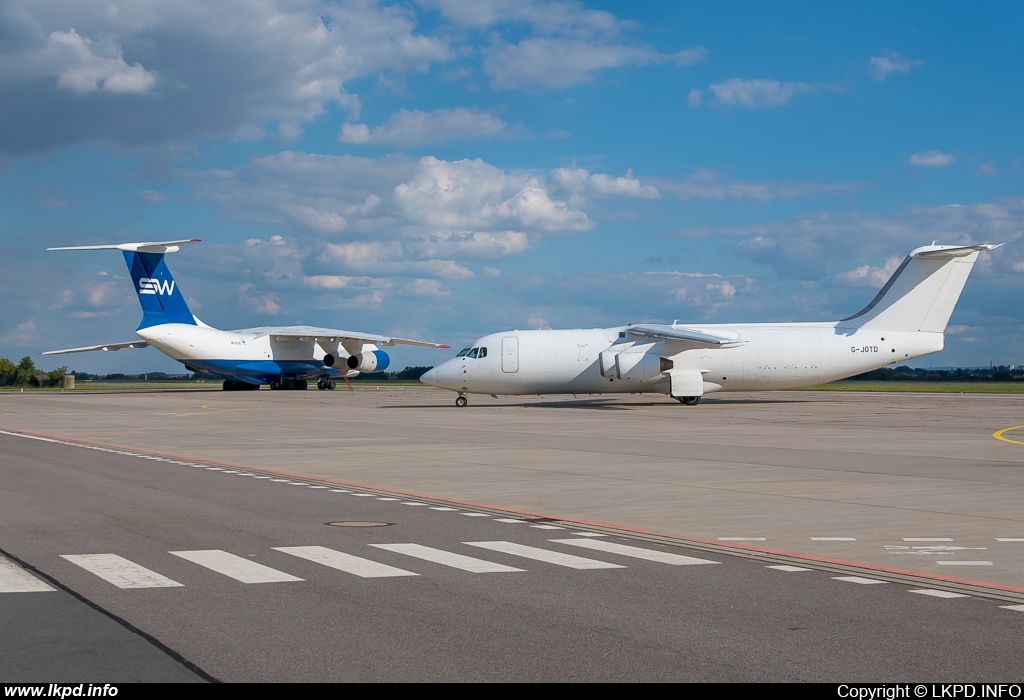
(442, 170)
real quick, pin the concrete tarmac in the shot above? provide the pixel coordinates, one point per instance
(238, 575)
(904, 481)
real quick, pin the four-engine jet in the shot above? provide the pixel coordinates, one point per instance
(284, 357)
(905, 320)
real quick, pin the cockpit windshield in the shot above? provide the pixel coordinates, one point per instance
(472, 353)
(464, 352)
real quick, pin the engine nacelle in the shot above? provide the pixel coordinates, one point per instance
(607, 363)
(633, 365)
(373, 361)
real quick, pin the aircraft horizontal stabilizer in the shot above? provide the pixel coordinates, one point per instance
(948, 251)
(105, 347)
(150, 247)
(687, 335)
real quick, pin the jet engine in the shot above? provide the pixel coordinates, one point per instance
(372, 361)
(636, 365)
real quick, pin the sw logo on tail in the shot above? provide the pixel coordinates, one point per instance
(152, 286)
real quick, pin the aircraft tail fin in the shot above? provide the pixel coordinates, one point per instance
(921, 294)
(159, 295)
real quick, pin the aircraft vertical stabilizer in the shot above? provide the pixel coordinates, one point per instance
(921, 294)
(161, 300)
(159, 295)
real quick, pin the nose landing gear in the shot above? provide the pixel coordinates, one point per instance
(461, 401)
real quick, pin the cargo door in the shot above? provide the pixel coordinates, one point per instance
(510, 354)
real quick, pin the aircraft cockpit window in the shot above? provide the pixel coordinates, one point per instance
(483, 353)
(464, 352)
(472, 353)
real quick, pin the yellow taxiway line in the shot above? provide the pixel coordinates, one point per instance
(998, 435)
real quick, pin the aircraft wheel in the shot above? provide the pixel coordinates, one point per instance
(689, 400)
(229, 385)
(321, 385)
(332, 385)
(275, 384)
(301, 385)
(461, 401)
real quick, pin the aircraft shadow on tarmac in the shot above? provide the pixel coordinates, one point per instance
(597, 404)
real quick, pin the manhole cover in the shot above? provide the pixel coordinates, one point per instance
(358, 523)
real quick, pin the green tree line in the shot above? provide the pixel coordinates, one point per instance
(25, 374)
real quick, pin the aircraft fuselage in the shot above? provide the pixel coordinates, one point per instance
(768, 356)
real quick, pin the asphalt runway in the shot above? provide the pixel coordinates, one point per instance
(908, 492)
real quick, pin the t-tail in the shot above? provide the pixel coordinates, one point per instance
(921, 294)
(159, 295)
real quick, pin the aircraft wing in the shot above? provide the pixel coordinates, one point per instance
(105, 347)
(696, 338)
(333, 335)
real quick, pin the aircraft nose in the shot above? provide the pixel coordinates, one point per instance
(430, 376)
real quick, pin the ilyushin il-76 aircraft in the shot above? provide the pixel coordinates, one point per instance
(285, 357)
(907, 319)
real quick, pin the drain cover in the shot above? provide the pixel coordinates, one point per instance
(358, 523)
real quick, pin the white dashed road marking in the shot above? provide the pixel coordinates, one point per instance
(742, 539)
(786, 567)
(14, 579)
(120, 571)
(235, 567)
(545, 555)
(939, 594)
(964, 563)
(636, 552)
(1010, 539)
(927, 539)
(1018, 608)
(857, 579)
(834, 539)
(476, 515)
(439, 556)
(345, 562)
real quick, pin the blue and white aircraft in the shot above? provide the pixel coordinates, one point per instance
(285, 357)
(907, 319)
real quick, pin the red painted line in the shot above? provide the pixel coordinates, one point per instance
(594, 523)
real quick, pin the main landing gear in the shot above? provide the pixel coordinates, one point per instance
(688, 400)
(325, 385)
(288, 384)
(461, 401)
(240, 386)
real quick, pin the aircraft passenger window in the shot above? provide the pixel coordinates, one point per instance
(464, 352)
(472, 353)
(483, 353)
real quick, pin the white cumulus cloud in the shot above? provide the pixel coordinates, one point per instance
(890, 62)
(759, 93)
(415, 127)
(932, 159)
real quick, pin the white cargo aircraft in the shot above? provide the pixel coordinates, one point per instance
(905, 320)
(284, 357)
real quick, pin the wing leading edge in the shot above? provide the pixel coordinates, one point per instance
(701, 339)
(333, 335)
